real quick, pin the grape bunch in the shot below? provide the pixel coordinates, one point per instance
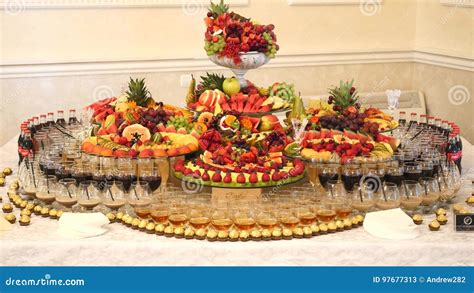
(272, 47)
(150, 118)
(180, 122)
(352, 121)
(214, 45)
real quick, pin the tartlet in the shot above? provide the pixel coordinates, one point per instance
(442, 219)
(7, 208)
(417, 219)
(434, 225)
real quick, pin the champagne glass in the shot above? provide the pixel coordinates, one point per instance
(411, 196)
(67, 193)
(389, 197)
(89, 195)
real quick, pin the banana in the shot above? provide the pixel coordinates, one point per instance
(190, 96)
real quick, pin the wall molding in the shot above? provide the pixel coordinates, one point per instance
(80, 4)
(458, 3)
(333, 2)
(189, 64)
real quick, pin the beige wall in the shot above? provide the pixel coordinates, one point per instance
(66, 36)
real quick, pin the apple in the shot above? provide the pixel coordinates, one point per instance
(231, 86)
(268, 122)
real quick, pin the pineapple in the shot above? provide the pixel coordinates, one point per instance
(218, 9)
(137, 92)
(211, 81)
(343, 96)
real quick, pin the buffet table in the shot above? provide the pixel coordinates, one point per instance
(40, 244)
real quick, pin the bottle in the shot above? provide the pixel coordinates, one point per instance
(446, 128)
(21, 138)
(458, 142)
(413, 120)
(72, 117)
(43, 121)
(60, 120)
(27, 145)
(50, 119)
(402, 118)
(439, 128)
(423, 121)
(431, 122)
(36, 124)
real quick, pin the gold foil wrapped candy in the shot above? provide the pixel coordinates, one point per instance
(222, 235)
(355, 222)
(23, 204)
(25, 212)
(179, 232)
(442, 219)
(211, 235)
(7, 171)
(323, 229)
(287, 234)
(332, 227)
(307, 232)
(434, 225)
(360, 219)
(417, 219)
(142, 224)
(340, 225)
(25, 220)
(315, 229)
(440, 211)
(30, 206)
(256, 235)
(201, 234)
(45, 212)
(7, 208)
(266, 234)
(160, 229)
(244, 235)
(37, 210)
(53, 214)
(119, 216)
(276, 234)
(298, 232)
(189, 233)
(2, 182)
(60, 213)
(10, 218)
(233, 235)
(169, 231)
(347, 224)
(135, 223)
(111, 217)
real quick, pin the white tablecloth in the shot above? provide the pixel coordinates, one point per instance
(39, 244)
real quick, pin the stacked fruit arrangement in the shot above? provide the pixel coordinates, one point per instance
(229, 34)
(343, 111)
(218, 94)
(136, 126)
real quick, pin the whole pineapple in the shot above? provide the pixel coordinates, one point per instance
(344, 96)
(138, 93)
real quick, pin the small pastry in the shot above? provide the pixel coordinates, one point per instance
(418, 219)
(233, 235)
(135, 223)
(434, 225)
(53, 214)
(169, 231)
(111, 217)
(211, 235)
(30, 206)
(440, 211)
(315, 229)
(266, 234)
(442, 219)
(179, 232)
(287, 234)
(360, 219)
(298, 232)
(7, 208)
(14, 186)
(160, 229)
(45, 212)
(201, 234)
(332, 227)
(276, 234)
(25, 220)
(307, 232)
(244, 236)
(2, 182)
(37, 210)
(60, 213)
(142, 224)
(222, 236)
(256, 235)
(189, 233)
(323, 229)
(347, 224)
(470, 200)
(119, 216)
(340, 225)
(25, 212)
(10, 218)
(7, 171)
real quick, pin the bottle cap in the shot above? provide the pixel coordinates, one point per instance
(413, 113)
(60, 111)
(402, 112)
(42, 115)
(422, 115)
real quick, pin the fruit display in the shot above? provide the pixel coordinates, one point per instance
(239, 166)
(229, 34)
(342, 111)
(342, 146)
(134, 125)
(218, 94)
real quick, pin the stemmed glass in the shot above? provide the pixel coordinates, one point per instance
(67, 193)
(88, 195)
(413, 171)
(351, 174)
(328, 172)
(363, 198)
(150, 173)
(113, 196)
(411, 196)
(389, 197)
(393, 97)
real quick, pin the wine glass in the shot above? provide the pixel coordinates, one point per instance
(328, 172)
(363, 198)
(389, 198)
(125, 173)
(351, 174)
(394, 174)
(430, 193)
(113, 196)
(412, 171)
(335, 189)
(47, 189)
(67, 193)
(88, 195)
(150, 173)
(411, 196)
(393, 97)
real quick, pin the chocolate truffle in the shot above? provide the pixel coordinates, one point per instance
(25, 212)
(169, 231)
(135, 223)
(347, 224)
(10, 218)
(323, 229)
(276, 234)
(111, 217)
(44, 212)
(211, 235)
(23, 204)
(142, 224)
(442, 219)
(37, 210)
(418, 219)
(7, 208)
(53, 214)
(25, 220)
(30, 206)
(340, 225)
(160, 229)
(119, 216)
(179, 232)
(244, 235)
(332, 227)
(7, 171)
(233, 235)
(307, 232)
(266, 234)
(150, 228)
(298, 232)
(201, 234)
(222, 236)
(256, 235)
(2, 182)
(434, 225)
(315, 229)
(189, 233)
(287, 234)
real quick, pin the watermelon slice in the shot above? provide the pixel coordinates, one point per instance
(393, 142)
(225, 106)
(248, 107)
(263, 109)
(257, 104)
(351, 134)
(326, 133)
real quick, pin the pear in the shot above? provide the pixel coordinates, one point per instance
(298, 109)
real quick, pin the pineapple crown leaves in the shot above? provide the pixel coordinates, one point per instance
(211, 81)
(138, 92)
(218, 9)
(344, 95)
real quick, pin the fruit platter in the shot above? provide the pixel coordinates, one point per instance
(218, 94)
(134, 125)
(341, 130)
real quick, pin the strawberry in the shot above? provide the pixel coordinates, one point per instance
(187, 172)
(228, 178)
(241, 178)
(205, 176)
(275, 176)
(253, 178)
(217, 177)
(197, 173)
(265, 177)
